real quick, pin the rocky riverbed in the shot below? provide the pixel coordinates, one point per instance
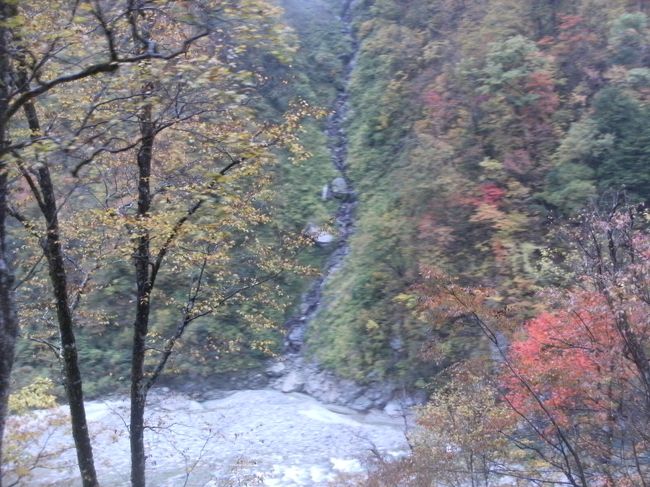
(296, 371)
(254, 437)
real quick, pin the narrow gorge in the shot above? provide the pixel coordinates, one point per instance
(297, 425)
(244, 241)
(297, 370)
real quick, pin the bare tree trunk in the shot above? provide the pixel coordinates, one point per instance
(143, 270)
(58, 276)
(144, 284)
(8, 319)
(71, 372)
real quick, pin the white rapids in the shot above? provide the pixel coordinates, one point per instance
(252, 437)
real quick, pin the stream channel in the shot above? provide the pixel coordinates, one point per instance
(304, 428)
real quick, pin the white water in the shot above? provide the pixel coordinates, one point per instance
(258, 437)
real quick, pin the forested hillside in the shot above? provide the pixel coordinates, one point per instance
(501, 156)
(373, 202)
(476, 127)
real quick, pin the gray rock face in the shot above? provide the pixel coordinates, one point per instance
(329, 389)
(303, 376)
(296, 336)
(362, 403)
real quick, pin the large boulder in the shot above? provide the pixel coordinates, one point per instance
(340, 189)
(321, 237)
(326, 387)
(277, 369)
(324, 239)
(395, 408)
(294, 381)
(296, 336)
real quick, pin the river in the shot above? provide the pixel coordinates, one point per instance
(250, 437)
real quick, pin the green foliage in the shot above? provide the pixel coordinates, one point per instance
(569, 186)
(615, 112)
(508, 63)
(608, 150)
(471, 122)
(323, 46)
(630, 38)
